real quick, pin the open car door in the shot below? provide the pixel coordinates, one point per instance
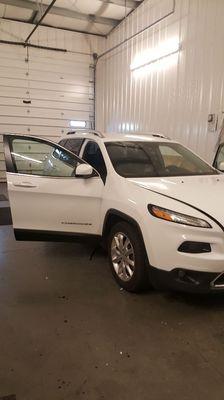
(48, 200)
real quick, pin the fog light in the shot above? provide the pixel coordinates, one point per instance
(194, 247)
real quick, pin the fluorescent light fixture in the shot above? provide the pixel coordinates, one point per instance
(78, 124)
(156, 54)
(126, 127)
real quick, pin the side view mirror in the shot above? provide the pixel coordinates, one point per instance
(221, 166)
(84, 171)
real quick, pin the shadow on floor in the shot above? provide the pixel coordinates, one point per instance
(5, 216)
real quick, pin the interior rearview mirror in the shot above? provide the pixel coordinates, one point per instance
(84, 171)
(221, 166)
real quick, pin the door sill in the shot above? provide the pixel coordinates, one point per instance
(54, 236)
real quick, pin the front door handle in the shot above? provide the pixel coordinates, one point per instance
(24, 185)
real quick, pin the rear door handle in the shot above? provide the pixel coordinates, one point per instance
(24, 185)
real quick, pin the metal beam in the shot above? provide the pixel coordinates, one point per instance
(40, 20)
(58, 27)
(171, 12)
(123, 3)
(35, 46)
(34, 17)
(127, 15)
(21, 4)
(63, 12)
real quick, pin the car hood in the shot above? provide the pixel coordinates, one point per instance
(204, 192)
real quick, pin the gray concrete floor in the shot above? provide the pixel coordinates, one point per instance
(68, 332)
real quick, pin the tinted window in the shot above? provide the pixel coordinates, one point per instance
(150, 159)
(62, 142)
(34, 157)
(93, 156)
(73, 145)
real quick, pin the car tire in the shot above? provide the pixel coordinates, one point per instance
(127, 257)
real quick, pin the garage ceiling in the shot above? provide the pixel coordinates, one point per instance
(90, 16)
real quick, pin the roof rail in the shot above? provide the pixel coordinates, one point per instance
(159, 135)
(94, 132)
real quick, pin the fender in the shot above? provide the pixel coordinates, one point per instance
(190, 205)
(117, 216)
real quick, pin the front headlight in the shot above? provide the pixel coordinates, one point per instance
(173, 216)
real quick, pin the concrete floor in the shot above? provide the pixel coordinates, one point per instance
(68, 332)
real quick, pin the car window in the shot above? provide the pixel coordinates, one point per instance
(73, 145)
(175, 159)
(150, 159)
(93, 156)
(220, 156)
(35, 157)
(170, 156)
(62, 142)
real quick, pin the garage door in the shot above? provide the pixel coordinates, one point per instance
(42, 91)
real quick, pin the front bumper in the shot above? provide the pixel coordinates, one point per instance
(162, 243)
(187, 280)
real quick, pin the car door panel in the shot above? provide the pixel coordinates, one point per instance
(39, 204)
(59, 204)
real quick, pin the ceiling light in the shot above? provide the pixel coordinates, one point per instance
(78, 124)
(156, 54)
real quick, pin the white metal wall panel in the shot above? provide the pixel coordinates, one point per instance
(60, 85)
(175, 100)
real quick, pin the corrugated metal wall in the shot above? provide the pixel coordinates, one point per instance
(176, 99)
(60, 85)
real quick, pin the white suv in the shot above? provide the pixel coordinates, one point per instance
(157, 206)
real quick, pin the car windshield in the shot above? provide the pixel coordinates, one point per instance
(140, 159)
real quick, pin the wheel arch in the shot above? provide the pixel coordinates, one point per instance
(114, 216)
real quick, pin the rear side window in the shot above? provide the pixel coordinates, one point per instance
(62, 142)
(73, 145)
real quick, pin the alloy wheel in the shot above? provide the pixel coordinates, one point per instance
(123, 256)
